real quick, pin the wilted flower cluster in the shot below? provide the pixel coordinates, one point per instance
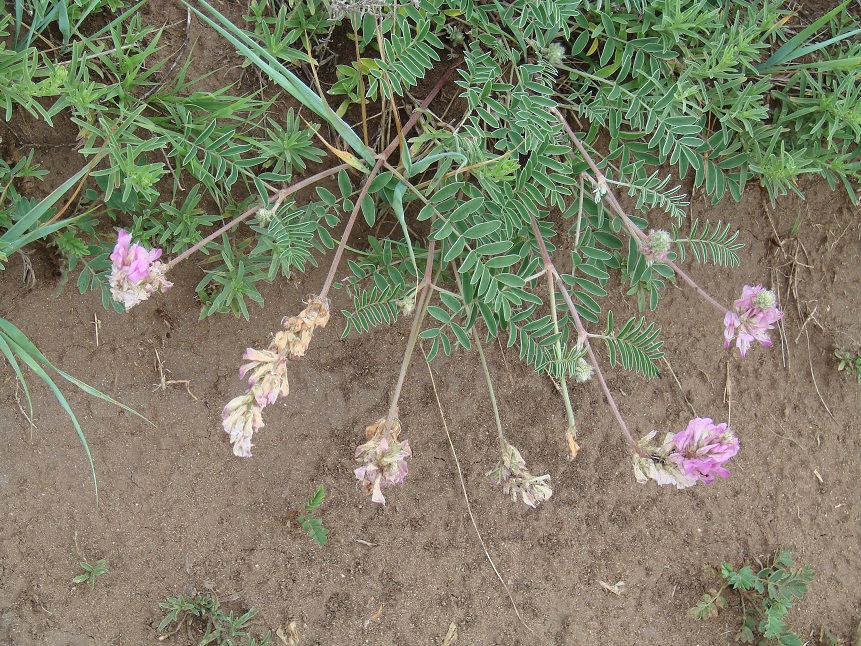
(382, 459)
(696, 454)
(515, 478)
(266, 372)
(136, 273)
(755, 314)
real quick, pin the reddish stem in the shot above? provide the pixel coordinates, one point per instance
(633, 229)
(582, 336)
(381, 159)
(278, 197)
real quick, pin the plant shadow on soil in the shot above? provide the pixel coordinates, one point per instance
(178, 514)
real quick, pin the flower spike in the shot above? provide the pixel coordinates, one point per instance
(697, 454)
(266, 374)
(515, 478)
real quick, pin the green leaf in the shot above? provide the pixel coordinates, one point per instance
(316, 499)
(744, 578)
(369, 210)
(439, 314)
(482, 230)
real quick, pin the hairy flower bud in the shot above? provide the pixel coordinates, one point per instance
(765, 299)
(658, 246)
(582, 371)
(554, 54)
(264, 216)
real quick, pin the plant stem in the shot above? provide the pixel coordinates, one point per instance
(633, 229)
(278, 196)
(489, 385)
(582, 336)
(381, 159)
(563, 382)
(705, 295)
(421, 308)
(484, 367)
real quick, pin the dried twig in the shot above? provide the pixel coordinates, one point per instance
(682, 390)
(727, 396)
(164, 382)
(96, 324)
(466, 498)
(813, 376)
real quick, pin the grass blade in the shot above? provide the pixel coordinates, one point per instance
(34, 365)
(792, 48)
(10, 357)
(268, 63)
(22, 232)
(18, 337)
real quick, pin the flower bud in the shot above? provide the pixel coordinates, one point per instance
(582, 370)
(660, 241)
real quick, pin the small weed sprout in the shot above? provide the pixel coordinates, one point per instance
(91, 572)
(765, 596)
(848, 362)
(204, 619)
(312, 524)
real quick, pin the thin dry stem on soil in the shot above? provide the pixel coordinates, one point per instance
(466, 499)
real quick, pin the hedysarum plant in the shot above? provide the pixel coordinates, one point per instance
(474, 248)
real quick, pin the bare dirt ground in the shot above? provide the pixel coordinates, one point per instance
(178, 514)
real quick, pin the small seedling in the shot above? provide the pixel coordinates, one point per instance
(849, 362)
(827, 638)
(203, 617)
(91, 572)
(311, 524)
(765, 596)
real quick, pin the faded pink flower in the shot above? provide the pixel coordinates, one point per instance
(755, 314)
(383, 459)
(136, 273)
(694, 455)
(268, 378)
(240, 418)
(512, 473)
(266, 373)
(654, 464)
(703, 448)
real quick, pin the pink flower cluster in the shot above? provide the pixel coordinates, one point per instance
(512, 473)
(382, 459)
(755, 314)
(136, 273)
(697, 454)
(266, 374)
